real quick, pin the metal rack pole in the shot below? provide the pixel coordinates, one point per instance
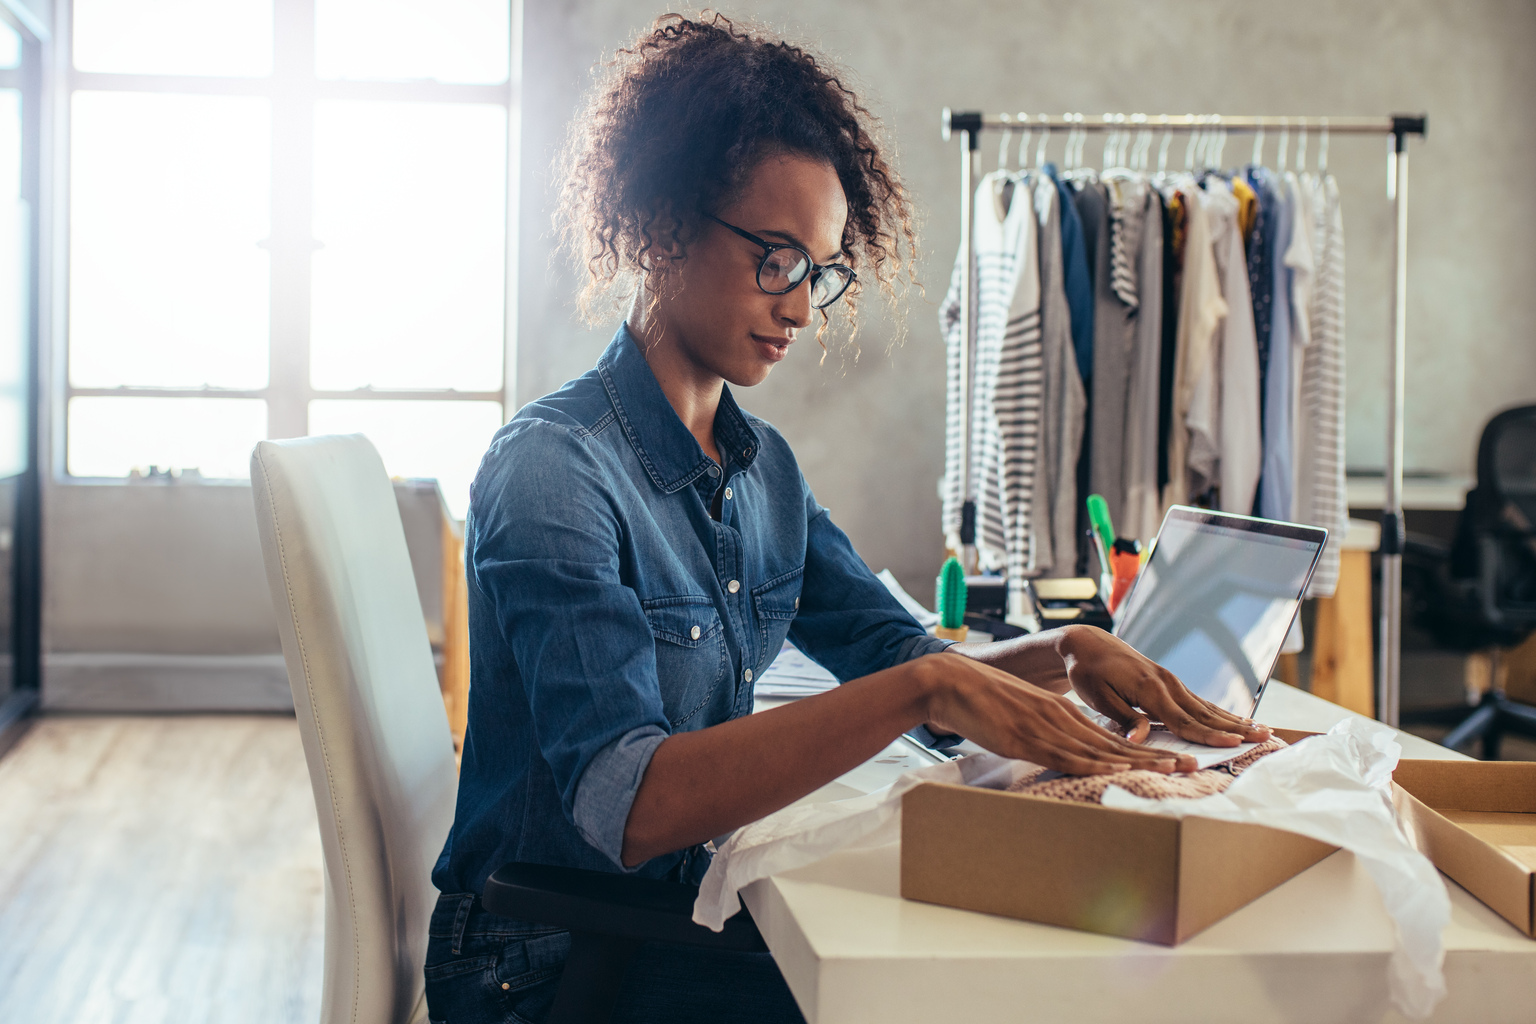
(1406, 124)
(968, 125)
(1389, 670)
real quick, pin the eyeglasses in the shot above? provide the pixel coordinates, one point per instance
(784, 266)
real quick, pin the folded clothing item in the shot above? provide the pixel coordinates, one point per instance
(1089, 789)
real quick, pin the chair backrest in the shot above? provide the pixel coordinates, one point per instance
(1506, 463)
(374, 729)
(1494, 552)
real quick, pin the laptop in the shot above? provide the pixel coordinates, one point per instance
(1216, 598)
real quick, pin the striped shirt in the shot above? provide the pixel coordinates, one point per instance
(1005, 380)
(1320, 494)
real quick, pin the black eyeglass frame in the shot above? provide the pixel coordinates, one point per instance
(769, 248)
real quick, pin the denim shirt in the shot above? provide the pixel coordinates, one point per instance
(608, 610)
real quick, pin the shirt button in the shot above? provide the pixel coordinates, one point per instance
(714, 471)
(747, 675)
(733, 586)
(727, 494)
(694, 632)
(797, 604)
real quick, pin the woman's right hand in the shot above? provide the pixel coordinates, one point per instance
(1015, 718)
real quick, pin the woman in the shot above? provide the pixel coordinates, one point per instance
(639, 547)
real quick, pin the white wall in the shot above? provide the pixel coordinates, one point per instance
(870, 439)
(155, 596)
(149, 572)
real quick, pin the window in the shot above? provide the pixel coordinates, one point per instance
(287, 217)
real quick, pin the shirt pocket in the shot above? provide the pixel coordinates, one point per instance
(691, 657)
(776, 602)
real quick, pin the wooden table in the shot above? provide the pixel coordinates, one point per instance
(1342, 638)
(1315, 949)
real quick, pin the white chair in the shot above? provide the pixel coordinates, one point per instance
(372, 720)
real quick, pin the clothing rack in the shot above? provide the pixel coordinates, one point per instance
(970, 125)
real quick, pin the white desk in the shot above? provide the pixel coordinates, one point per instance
(1443, 493)
(1313, 950)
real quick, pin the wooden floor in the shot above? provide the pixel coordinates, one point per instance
(158, 869)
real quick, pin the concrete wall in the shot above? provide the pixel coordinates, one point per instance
(155, 596)
(869, 437)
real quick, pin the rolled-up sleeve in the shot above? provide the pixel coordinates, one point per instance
(847, 619)
(546, 551)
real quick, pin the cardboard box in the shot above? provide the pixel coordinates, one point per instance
(1477, 821)
(1089, 867)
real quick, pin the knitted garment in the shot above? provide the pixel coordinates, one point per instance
(1089, 789)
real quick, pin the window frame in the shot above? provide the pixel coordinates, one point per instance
(293, 90)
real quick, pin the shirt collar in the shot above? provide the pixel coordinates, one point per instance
(668, 451)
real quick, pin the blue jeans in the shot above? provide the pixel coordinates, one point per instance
(484, 969)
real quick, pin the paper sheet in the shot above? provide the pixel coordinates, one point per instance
(1337, 788)
(1162, 739)
(1205, 757)
(802, 834)
(793, 674)
(924, 617)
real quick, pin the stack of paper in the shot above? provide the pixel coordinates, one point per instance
(792, 674)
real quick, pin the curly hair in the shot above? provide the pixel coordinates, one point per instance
(676, 123)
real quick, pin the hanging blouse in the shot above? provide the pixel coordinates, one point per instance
(1321, 499)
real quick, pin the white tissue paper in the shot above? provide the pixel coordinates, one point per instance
(802, 834)
(1337, 788)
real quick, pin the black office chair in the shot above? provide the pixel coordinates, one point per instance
(1480, 592)
(609, 917)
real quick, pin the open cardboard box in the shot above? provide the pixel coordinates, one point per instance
(1090, 867)
(1477, 821)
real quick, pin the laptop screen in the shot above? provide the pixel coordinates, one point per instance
(1215, 600)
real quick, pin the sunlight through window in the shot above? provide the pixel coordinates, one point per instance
(410, 211)
(174, 37)
(400, 40)
(211, 435)
(168, 283)
(436, 439)
(252, 254)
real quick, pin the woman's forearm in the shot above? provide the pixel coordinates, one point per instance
(703, 784)
(1037, 657)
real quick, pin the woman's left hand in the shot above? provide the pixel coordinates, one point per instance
(1115, 680)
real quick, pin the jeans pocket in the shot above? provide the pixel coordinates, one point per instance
(495, 979)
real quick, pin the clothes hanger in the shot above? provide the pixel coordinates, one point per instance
(1143, 144)
(1322, 151)
(1285, 140)
(1301, 148)
(1045, 138)
(1024, 165)
(1080, 144)
(1002, 148)
(1258, 148)
(1162, 151)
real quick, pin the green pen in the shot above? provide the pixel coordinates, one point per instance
(1098, 515)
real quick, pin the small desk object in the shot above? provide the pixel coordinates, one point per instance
(1315, 949)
